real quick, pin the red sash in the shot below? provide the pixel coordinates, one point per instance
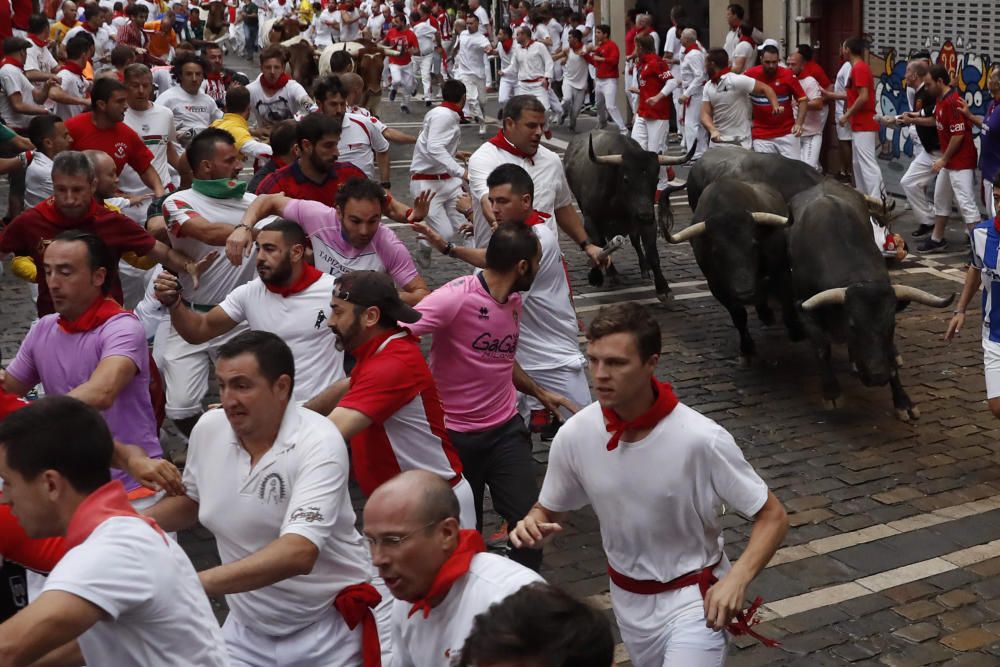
(355, 604)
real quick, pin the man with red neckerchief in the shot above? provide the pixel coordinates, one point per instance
(656, 472)
(654, 86)
(275, 96)
(439, 575)
(123, 590)
(777, 132)
(604, 57)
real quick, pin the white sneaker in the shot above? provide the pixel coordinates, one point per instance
(482, 129)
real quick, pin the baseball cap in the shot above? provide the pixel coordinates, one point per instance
(374, 288)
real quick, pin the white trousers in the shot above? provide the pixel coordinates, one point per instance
(402, 81)
(536, 89)
(958, 187)
(867, 173)
(328, 641)
(677, 109)
(667, 629)
(475, 95)
(425, 65)
(787, 145)
(569, 380)
(606, 93)
(443, 215)
(186, 369)
(809, 149)
(914, 183)
(652, 135)
(506, 91)
(693, 129)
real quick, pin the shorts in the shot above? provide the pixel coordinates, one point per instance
(991, 366)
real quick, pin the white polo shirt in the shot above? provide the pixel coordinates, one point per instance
(297, 487)
(38, 180)
(658, 500)
(731, 106)
(156, 127)
(300, 319)
(546, 170)
(157, 611)
(434, 152)
(192, 113)
(75, 85)
(13, 80)
(221, 277)
(549, 334)
(360, 140)
(39, 59)
(421, 642)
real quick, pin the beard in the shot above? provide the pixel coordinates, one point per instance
(279, 275)
(318, 164)
(346, 339)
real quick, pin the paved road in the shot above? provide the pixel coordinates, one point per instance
(893, 557)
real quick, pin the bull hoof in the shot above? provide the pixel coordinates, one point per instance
(909, 414)
(595, 277)
(665, 298)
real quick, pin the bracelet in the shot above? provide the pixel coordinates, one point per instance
(406, 216)
(958, 312)
(584, 243)
(246, 227)
(448, 249)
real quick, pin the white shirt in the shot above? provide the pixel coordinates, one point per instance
(155, 126)
(575, 70)
(74, 85)
(731, 107)
(732, 39)
(103, 40)
(13, 80)
(546, 170)
(672, 44)
(484, 19)
(300, 320)
(658, 500)
(839, 85)
(815, 120)
(360, 140)
(426, 37)
(437, 143)
(221, 277)
(555, 34)
(505, 56)
(375, 24)
(422, 642)
(267, 109)
(39, 59)
(349, 32)
(322, 28)
(531, 63)
(692, 72)
(163, 79)
(748, 51)
(156, 609)
(192, 113)
(589, 34)
(470, 53)
(279, 10)
(298, 487)
(38, 179)
(549, 334)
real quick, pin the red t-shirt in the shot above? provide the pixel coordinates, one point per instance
(950, 123)
(630, 41)
(810, 68)
(120, 142)
(609, 68)
(766, 124)
(862, 120)
(649, 70)
(29, 233)
(38, 554)
(297, 185)
(393, 387)
(401, 40)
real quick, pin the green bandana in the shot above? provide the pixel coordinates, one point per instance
(220, 188)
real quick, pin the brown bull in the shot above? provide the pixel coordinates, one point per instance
(216, 23)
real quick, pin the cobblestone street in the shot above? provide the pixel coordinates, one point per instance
(893, 555)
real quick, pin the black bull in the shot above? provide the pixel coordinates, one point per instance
(614, 181)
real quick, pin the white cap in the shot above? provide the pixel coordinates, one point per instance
(770, 42)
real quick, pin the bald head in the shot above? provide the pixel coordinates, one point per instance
(106, 171)
(353, 84)
(419, 495)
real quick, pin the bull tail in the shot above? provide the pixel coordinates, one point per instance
(665, 214)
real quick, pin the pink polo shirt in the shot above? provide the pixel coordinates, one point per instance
(472, 352)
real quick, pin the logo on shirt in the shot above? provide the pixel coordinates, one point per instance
(484, 313)
(307, 514)
(120, 148)
(497, 348)
(272, 489)
(320, 318)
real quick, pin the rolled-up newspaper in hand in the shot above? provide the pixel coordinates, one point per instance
(613, 245)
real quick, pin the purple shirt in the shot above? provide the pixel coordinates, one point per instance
(63, 361)
(472, 353)
(989, 142)
(334, 255)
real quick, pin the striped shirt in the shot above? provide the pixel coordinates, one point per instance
(985, 243)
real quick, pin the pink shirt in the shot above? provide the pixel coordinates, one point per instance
(334, 255)
(472, 353)
(63, 361)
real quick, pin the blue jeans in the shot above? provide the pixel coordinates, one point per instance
(250, 32)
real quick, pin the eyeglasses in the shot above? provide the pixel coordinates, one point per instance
(395, 541)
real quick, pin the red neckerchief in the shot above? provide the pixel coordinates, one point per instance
(310, 274)
(281, 83)
(721, 73)
(536, 218)
(105, 503)
(9, 60)
(748, 40)
(454, 107)
(99, 312)
(996, 223)
(47, 209)
(75, 68)
(501, 142)
(663, 405)
(470, 543)
(506, 44)
(89, 28)
(355, 604)
(38, 42)
(691, 47)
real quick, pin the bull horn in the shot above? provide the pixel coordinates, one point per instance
(829, 297)
(880, 204)
(762, 218)
(688, 233)
(615, 160)
(667, 160)
(907, 293)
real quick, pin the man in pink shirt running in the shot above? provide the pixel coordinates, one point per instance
(475, 323)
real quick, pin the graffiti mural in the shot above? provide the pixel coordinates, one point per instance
(969, 73)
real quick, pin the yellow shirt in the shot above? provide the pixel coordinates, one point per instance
(58, 31)
(236, 125)
(306, 12)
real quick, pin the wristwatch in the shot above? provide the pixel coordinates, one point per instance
(584, 243)
(448, 249)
